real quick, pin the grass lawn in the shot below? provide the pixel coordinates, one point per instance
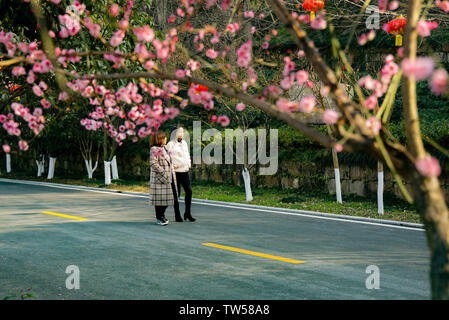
(353, 205)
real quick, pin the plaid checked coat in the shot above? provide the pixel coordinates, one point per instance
(161, 177)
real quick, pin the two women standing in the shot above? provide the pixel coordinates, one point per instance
(164, 186)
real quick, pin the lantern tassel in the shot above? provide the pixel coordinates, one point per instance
(312, 15)
(398, 42)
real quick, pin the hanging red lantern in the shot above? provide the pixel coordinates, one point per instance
(397, 27)
(199, 88)
(14, 87)
(313, 6)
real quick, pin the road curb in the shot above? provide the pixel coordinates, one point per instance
(235, 204)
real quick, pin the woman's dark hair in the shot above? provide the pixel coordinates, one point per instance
(157, 139)
(177, 126)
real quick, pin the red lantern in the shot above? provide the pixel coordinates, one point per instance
(199, 88)
(14, 87)
(397, 27)
(313, 6)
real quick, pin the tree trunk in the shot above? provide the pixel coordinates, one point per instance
(107, 172)
(380, 188)
(90, 170)
(114, 168)
(51, 168)
(247, 181)
(40, 166)
(337, 176)
(8, 163)
(429, 200)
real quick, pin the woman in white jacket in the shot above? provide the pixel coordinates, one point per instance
(179, 152)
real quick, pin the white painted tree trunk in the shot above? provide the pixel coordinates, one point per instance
(8, 163)
(107, 172)
(40, 166)
(338, 185)
(51, 168)
(90, 170)
(247, 180)
(114, 168)
(380, 192)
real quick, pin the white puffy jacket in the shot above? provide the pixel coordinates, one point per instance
(180, 155)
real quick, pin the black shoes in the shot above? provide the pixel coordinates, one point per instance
(162, 221)
(189, 217)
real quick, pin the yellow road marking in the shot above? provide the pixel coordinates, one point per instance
(253, 253)
(63, 215)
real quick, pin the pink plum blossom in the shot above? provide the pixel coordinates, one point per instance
(424, 27)
(371, 102)
(287, 106)
(374, 124)
(114, 10)
(428, 166)
(18, 71)
(240, 107)
(301, 77)
(307, 104)
(338, 147)
(439, 82)
(23, 145)
(319, 22)
(145, 33)
(211, 53)
(37, 91)
(443, 5)
(330, 116)
(393, 5)
(223, 120)
(420, 68)
(244, 54)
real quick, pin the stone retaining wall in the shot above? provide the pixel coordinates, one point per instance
(360, 180)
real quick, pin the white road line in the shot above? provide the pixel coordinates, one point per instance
(217, 205)
(310, 216)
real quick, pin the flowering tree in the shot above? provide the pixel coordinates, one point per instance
(143, 78)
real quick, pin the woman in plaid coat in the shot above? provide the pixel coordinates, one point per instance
(163, 191)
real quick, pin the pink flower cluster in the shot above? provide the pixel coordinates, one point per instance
(201, 97)
(319, 23)
(439, 82)
(419, 68)
(69, 26)
(425, 27)
(330, 116)
(287, 106)
(10, 125)
(428, 166)
(374, 124)
(365, 37)
(93, 28)
(6, 39)
(223, 120)
(116, 58)
(35, 121)
(244, 54)
(379, 88)
(289, 76)
(443, 5)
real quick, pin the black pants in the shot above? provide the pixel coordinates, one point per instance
(182, 179)
(160, 210)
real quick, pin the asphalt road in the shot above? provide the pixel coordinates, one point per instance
(122, 254)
